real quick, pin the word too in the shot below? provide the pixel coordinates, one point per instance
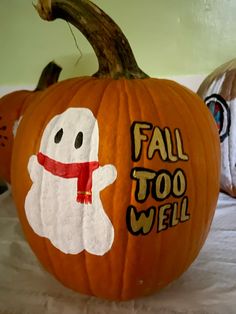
(164, 184)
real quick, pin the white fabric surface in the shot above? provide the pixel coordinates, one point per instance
(209, 285)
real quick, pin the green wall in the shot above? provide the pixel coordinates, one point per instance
(168, 37)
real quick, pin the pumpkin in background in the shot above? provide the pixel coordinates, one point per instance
(218, 90)
(12, 107)
(115, 176)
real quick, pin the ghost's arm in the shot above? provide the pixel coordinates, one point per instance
(34, 168)
(104, 176)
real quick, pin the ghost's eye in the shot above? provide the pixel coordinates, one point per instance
(58, 136)
(79, 140)
(221, 113)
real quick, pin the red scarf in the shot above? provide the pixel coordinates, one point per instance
(82, 171)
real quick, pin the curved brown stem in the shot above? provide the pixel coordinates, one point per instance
(49, 76)
(115, 57)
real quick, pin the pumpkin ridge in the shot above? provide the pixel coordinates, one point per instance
(159, 121)
(119, 285)
(176, 109)
(145, 86)
(107, 83)
(128, 235)
(196, 208)
(83, 82)
(188, 248)
(204, 117)
(46, 242)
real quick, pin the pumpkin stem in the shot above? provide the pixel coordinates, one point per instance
(115, 57)
(49, 76)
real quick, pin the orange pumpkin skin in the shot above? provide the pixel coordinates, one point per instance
(12, 108)
(136, 265)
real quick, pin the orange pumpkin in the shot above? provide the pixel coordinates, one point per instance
(118, 179)
(12, 107)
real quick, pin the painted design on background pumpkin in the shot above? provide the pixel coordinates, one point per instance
(3, 137)
(68, 179)
(219, 93)
(221, 113)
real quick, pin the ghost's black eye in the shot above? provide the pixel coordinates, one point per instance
(58, 136)
(79, 140)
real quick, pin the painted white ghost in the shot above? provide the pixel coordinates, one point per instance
(64, 202)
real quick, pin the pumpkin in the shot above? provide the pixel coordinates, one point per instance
(218, 90)
(12, 107)
(115, 175)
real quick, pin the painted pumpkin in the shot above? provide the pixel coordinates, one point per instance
(218, 91)
(12, 108)
(118, 180)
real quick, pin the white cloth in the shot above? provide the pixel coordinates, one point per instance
(207, 287)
